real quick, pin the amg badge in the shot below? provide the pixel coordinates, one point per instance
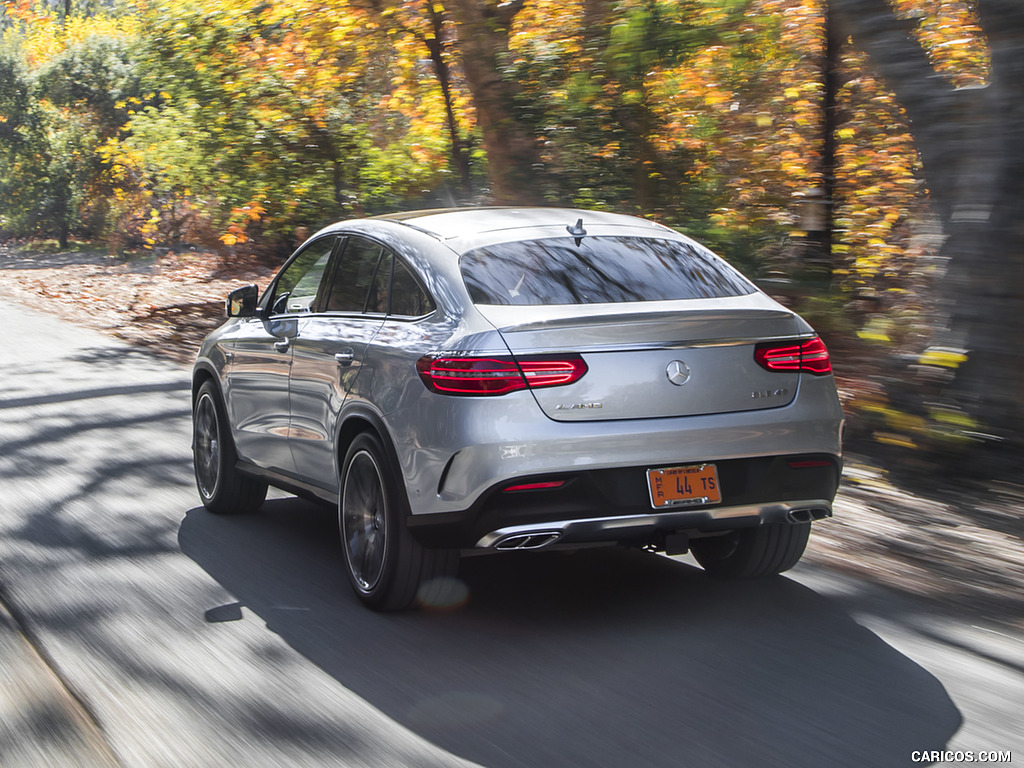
(769, 393)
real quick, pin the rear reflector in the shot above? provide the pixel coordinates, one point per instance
(808, 356)
(808, 463)
(543, 486)
(497, 375)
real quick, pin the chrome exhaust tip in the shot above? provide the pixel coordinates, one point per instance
(533, 540)
(807, 515)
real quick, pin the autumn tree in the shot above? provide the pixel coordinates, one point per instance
(284, 114)
(971, 144)
(84, 91)
(591, 76)
(65, 77)
(22, 142)
(418, 27)
(484, 34)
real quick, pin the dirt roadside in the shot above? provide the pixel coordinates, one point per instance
(167, 302)
(958, 546)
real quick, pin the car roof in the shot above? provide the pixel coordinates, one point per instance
(449, 223)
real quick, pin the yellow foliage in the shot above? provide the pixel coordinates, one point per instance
(900, 441)
(943, 357)
(47, 34)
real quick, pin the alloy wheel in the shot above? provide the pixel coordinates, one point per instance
(364, 520)
(207, 446)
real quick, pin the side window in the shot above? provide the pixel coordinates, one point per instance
(297, 288)
(407, 296)
(380, 292)
(356, 272)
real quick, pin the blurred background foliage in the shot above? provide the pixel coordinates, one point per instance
(148, 121)
(777, 131)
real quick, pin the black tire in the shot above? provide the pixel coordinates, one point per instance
(388, 569)
(223, 489)
(752, 553)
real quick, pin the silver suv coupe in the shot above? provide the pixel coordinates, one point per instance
(507, 379)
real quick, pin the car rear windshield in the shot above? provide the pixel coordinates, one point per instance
(597, 270)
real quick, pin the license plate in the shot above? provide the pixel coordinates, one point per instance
(684, 486)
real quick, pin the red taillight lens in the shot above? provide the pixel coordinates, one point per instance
(552, 371)
(546, 485)
(809, 356)
(497, 375)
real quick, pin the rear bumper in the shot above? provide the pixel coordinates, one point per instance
(453, 459)
(613, 505)
(650, 527)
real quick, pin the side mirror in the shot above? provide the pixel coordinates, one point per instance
(241, 302)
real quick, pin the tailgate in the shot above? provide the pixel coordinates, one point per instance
(643, 364)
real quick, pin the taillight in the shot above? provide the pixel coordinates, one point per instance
(497, 375)
(808, 356)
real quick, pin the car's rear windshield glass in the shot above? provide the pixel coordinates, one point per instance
(597, 270)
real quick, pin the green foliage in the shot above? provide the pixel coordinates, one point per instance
(265, 125)
(20, 137)
(233, 120)
(96, 77)
(15, 103)
(53, 180)
(591, 100)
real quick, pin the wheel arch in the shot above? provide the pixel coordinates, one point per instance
(202, 374)
(357, 421)
(410, 573)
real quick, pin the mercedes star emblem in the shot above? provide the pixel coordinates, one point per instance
(678, 372)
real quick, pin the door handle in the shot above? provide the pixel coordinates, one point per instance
(281, 345)
(345, 357)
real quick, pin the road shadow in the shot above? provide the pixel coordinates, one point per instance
(599, 658)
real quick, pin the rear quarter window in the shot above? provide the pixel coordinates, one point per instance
(597, 270)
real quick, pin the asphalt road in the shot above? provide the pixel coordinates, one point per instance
(197, 641)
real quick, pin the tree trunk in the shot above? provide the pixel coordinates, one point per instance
(435, 45)
(831, 65)
(512, 154)
(971, 143)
